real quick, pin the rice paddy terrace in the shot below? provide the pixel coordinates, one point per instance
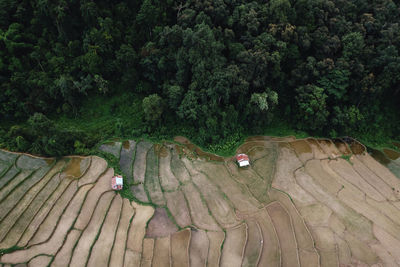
(304, 203)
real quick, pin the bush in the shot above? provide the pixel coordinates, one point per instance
(153, 107)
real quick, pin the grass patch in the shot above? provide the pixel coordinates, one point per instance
(10, 250)
(121, 117)
(347, 158)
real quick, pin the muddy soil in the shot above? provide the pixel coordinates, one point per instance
(160, 225)
(300, 203)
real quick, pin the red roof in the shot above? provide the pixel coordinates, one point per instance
(242, 157)
(116, 182)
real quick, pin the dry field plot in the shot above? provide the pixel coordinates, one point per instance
(308, 202)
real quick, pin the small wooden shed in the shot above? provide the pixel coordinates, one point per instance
(117, 182)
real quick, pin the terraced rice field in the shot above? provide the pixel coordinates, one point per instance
(309, 202)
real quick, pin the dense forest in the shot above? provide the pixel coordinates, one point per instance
(215, 68)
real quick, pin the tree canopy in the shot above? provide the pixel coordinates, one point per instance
(329, 67)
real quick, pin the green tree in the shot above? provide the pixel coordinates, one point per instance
(153, 107)
(311, 110)
(40, 124)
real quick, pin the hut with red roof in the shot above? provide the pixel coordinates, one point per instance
(117, 182)
(243, 160)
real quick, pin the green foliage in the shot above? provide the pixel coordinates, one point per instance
(347, 120)
(39, 124)
(347, 158)
(353, 45)
(263, 101)
(102, 69)
(336, 83)
(152, 107)
(9, 250)
(312, 110)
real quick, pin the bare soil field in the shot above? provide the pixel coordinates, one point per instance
(167, 179)
(219, 206)
(118, 250)
(161, 255)
(198, 209)
(160, 225)
(234, 245)
(8, 174)
(178, 207)
(152, 182)
(101, 251)
(198, 249)
(180, 248)
(271, 251)
(284, 229)
(254, 244)
(300, 203)
(113, 148)
(76, 167)
(148, 252)
(139, 166)
(127, 158)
